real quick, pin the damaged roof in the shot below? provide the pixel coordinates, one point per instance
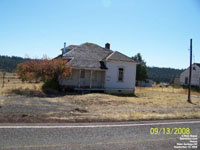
(117, 56)
(89, 55)
(198, 64)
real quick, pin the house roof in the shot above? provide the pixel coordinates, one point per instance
(198, 64)
(117, 56)
(89, 55)
(70, 47)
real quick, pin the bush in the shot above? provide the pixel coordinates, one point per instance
(49, 71)
(50, 87)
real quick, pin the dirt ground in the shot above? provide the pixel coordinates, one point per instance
(147, 104)
(25, 102)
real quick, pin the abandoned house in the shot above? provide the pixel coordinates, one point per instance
(98, 68)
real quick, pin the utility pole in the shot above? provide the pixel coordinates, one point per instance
(190, 73)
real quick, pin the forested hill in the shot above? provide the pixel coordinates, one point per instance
(9, 64)
(163, 74)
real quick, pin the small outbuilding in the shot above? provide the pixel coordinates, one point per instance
(195, 78)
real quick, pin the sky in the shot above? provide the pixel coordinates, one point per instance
(158, 29)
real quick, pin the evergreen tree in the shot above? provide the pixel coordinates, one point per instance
(141, 72)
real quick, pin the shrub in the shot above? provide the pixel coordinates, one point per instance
(49, 71)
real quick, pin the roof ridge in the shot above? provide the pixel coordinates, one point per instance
(198, 64)
(119, 57)
(110, 55)
(71, 50)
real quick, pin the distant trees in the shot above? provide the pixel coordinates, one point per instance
(163, 74)
(141, 73)
(45, 70)
(155, 73)
(9, 64)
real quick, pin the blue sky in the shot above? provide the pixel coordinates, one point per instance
(158, 29)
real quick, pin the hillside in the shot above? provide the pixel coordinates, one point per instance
(163, 74)
(9, 64)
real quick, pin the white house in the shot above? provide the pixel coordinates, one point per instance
(195, 80)
(98, 68)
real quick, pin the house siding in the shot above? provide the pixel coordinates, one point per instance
(195, 80)
(129, 76)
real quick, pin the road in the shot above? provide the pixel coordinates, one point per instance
(95, 136)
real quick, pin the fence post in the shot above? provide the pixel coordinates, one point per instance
(4, 73)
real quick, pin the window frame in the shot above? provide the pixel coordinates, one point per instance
(186, 79)
(122, 69)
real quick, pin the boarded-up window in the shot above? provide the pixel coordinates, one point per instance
(186, 80)
(82, 74)
(121, 74)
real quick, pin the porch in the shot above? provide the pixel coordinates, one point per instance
(85, 79)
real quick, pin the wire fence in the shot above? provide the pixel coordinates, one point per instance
(9, 79)
(169, 89)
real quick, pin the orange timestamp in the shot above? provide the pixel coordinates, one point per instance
(169, 131)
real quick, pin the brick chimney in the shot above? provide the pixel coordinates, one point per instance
(107, 45)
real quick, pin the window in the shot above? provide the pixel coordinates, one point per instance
(194, 68)
(121, 74)
(82, 74)
(186, 80)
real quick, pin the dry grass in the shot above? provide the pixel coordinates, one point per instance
(149, 103)
(12, 84)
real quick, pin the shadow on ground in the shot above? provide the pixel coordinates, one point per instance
(35, 93)
(53, 93)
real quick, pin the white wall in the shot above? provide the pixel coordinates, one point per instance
(195, 76)
(111, 77)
